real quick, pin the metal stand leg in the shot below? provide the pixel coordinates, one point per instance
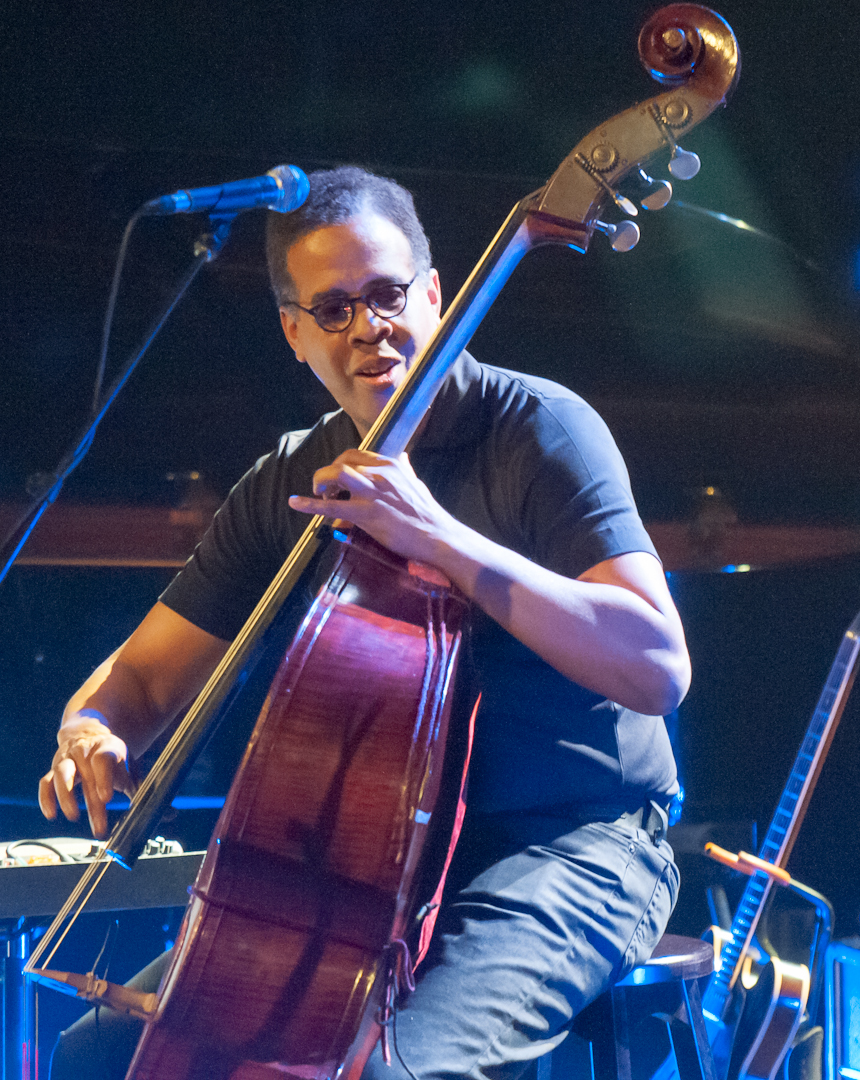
(19, 1026)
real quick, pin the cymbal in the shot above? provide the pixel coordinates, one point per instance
(694, 545)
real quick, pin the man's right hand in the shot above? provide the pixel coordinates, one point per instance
(140, 688)
(91, 755)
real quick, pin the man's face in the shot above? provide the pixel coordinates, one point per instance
(363, 365)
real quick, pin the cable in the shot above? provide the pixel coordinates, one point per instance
(111, 306)
(394, 1012)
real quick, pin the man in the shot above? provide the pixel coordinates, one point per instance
(563, 879)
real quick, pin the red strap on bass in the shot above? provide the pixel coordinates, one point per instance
(429, 921)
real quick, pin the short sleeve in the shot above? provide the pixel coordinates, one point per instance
(254, 531)
(571, 491)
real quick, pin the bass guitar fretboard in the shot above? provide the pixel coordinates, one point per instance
(786, 821)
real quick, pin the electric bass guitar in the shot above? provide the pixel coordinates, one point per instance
(750, 1039)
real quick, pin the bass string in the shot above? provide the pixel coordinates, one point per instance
(97, 870)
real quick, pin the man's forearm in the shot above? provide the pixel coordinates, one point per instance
(614, 630)
(114, 696)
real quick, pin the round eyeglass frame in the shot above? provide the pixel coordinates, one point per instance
(352, 302)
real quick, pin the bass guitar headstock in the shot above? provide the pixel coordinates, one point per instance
(690, 50)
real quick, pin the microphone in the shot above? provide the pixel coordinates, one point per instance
(283, 188)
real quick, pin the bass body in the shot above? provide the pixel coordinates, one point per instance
(290, 940)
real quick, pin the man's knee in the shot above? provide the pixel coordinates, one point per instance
(96, 1048)
(101, 1044)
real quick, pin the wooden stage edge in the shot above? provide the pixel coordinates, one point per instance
(159, 536)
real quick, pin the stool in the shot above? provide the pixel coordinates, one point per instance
(626, 1028)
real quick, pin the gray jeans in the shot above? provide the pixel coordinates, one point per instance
(525, 946)
(527, 937)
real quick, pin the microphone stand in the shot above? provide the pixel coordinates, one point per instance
(206, 247)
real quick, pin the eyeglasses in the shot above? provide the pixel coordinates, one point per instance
(336, 313)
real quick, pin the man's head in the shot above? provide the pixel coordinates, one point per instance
(336, 195)
(356, 246)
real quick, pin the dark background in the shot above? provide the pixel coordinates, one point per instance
(718, 356)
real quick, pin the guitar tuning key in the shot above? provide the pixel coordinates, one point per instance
(658, 194)
(622, 237)
(684, 164)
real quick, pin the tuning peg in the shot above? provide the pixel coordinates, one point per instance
(624, 204)
(684, 164)
(658, 194)
(623, 236)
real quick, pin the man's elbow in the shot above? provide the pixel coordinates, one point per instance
(669, 683)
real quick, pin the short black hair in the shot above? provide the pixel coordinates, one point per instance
(336, 195)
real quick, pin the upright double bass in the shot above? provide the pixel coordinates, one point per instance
(292, 941)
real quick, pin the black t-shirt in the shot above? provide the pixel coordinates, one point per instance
(530, 465)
